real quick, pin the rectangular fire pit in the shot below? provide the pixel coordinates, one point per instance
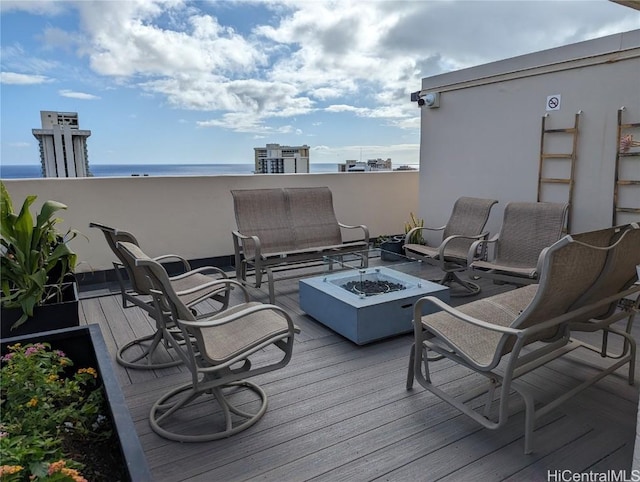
(363, 318)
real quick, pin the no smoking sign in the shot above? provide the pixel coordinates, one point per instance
(553, 102)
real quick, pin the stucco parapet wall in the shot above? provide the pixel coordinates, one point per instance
(193, 216)
(612, 48)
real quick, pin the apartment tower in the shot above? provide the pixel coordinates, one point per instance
(63, 146)
(277, 159)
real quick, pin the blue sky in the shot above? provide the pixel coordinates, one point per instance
(204, 82)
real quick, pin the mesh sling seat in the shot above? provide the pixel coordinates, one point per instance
(221, 351)
(508, 335)
(527, 228)
(192, 285)
(465, 225)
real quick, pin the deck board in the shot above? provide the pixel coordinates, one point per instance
(340, 411)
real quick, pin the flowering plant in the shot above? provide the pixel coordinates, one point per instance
(627, 142)
(45, 405)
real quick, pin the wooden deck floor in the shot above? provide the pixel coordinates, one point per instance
(341, 412)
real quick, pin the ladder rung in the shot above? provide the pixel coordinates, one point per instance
(628, 210)
(630, 126)
(629, 154)
(557, 156)
(555, 180)
(628, 182)
(569, 130)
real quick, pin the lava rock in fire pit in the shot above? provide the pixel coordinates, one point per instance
(371, 288)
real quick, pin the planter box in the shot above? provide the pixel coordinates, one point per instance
(391, 250)
(49, 317)
(86, 347)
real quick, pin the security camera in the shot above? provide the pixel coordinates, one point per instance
(430, 99)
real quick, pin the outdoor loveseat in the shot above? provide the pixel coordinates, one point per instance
(287, 228)
(583, 278)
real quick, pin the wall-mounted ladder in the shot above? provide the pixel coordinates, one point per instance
(570, 157)
(626, 150)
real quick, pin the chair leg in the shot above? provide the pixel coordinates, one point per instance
(144, 360)
(471, 289)
(183, 395)
(410, 375)
(272, 291)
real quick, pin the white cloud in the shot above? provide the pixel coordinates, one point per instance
(247, 123)
(32, 6)
(399, 153)
(14, 78)
(77, 95)
(359, 57)
(125, 41)
(56, 38)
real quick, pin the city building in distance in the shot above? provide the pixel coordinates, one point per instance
(63, 146)
(362, 166)
(277, 159)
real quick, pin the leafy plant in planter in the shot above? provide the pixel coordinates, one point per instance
(414, 222)
(35, 258)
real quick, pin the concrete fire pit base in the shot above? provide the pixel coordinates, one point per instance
(366, 319)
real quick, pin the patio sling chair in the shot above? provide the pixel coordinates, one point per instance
(465, 226)
(508, 335)
(192, 285)
(527, 228)
(219, 351)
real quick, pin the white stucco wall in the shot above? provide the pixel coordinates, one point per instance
(484, 139)
(193, 216)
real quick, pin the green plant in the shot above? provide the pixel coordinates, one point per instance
(43, 407)
(414, 222)
(35, 256)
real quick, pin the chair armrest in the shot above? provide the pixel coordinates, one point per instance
(409, 233)
(359, 226)
(443, 245)
(167, 257)
(218, 282)
(417, 315)
(239, 237)
(254, 308)
(202, 270)
(537, 328)
(472, 254)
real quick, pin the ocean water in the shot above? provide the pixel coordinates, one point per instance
(115, 170)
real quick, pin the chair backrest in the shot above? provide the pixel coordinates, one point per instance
(286, 219)
(139, 282)
(468, 218)
(619, 271)
(263, 213)
(157, 278)
(528, 228)
(312, 216)
(568, 268)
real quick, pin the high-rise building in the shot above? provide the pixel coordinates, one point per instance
(361, 166)
(277, 159)
(63, 146)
